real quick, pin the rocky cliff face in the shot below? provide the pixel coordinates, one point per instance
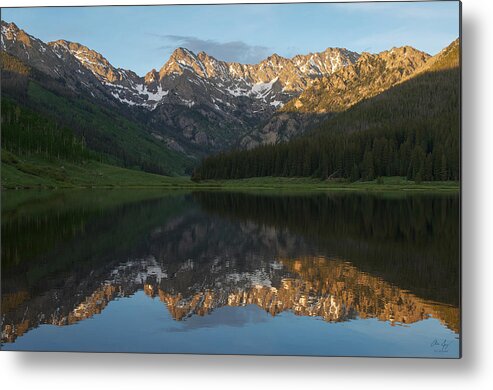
(271, 82)
(367, 77)
(121, 84)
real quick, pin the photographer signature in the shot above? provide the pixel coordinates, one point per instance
(440, 345)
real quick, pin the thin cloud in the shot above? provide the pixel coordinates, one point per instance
(234, 51)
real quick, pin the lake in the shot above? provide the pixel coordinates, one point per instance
(322, 274)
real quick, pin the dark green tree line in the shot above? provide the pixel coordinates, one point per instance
(26, 133)
(411, 130)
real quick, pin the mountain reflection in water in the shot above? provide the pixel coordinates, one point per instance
(338, 257)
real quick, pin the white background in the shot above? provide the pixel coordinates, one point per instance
(473, 371)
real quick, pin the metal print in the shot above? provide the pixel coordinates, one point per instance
(271, 179)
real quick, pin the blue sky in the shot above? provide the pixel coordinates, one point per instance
(142, 38)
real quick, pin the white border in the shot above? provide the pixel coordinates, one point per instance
(474, 371)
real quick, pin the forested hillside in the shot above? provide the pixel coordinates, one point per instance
(412, 129)
(41, 117)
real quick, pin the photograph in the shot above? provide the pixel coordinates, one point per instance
(280, 179)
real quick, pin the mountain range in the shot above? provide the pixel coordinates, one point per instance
(194, 94)
(195, 105)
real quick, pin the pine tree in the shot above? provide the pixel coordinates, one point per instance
(443, 168)
(354, 173)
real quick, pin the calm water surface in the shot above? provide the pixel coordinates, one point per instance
(242, 273)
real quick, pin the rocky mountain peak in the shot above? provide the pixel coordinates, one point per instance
(203, 56)
(37, 54)
(91, 60)
(10, 32)
(275, 59)
(445, 59)
(181, 53)
(405, 54)
(180, 61)
(399, 62)
(151, 76)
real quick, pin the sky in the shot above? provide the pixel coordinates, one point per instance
(141, 38)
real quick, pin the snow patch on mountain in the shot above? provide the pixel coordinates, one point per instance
(261, 89)
(154, 96)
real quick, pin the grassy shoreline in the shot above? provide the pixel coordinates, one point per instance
(39, 173)
(56, 175)
(312, 184)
